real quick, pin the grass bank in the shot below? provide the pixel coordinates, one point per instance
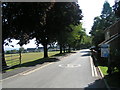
(113, 80)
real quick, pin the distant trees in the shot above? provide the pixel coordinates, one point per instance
(101, 22)
(116, 8)
(65, 14)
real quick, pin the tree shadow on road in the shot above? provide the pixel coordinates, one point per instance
(100, 84)
(85, 51)
(88, 54)
(97, 84)
(64, 54)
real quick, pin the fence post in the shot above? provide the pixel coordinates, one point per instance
(20, 56)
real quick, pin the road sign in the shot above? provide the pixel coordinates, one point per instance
(105, 50)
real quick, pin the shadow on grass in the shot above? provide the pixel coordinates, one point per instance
(36, 62)
(39, 61)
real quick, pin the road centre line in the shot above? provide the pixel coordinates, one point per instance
(23, 73)
(94, 71)
(28, 71)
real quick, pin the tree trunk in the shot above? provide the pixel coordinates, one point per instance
(45, 51)
(60, 48)
(64, 49)
(69, 49)
(4, 65)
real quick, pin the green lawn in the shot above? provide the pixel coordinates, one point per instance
(104, 70)
(26, 57)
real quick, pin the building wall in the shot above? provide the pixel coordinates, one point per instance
(114, 44)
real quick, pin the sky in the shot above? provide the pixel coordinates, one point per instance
(90, 9)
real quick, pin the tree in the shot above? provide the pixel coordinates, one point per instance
(86, 42)
(57, 18)
(65, 14)
(75, 37)
(102, 22)
(19, 20)
(116, 8)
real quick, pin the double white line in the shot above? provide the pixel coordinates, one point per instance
(94, 71)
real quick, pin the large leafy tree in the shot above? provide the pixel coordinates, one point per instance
(75, 37)
(19, 20)
(65, 14)
(57, 19)
(43, 21)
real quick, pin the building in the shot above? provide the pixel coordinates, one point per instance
(31, 49)
(40, 49)
(112, 38)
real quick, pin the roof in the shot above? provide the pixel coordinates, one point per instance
(112, 25)
(31, 48)
(113, 37)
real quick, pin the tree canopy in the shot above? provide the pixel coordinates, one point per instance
(47, 22)
(102, 22)
(116, 8)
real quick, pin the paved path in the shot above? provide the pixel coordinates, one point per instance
(74, 71)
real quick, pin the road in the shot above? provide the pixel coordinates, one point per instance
(74, 71)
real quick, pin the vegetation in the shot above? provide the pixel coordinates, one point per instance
(102, 22)
(104, 70)
(116, 8)
(26, 57)
(47, 22)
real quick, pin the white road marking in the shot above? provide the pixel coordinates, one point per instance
(23, 73)
(101, 72)
(9, 77)
(94, 71)
(91, 63)
(36, 69)
(70, 65)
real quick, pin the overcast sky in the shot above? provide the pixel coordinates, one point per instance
(90, 9)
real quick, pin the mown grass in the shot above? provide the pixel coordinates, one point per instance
(26, 57)
(104, 70)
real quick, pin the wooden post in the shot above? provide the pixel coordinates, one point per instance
(20, 58)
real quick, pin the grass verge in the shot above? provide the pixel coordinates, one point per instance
(28, 59)
(113, 80)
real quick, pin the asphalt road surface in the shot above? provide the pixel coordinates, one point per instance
(74, 71)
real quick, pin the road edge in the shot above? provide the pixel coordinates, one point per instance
(102, 76)
(108, 87)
